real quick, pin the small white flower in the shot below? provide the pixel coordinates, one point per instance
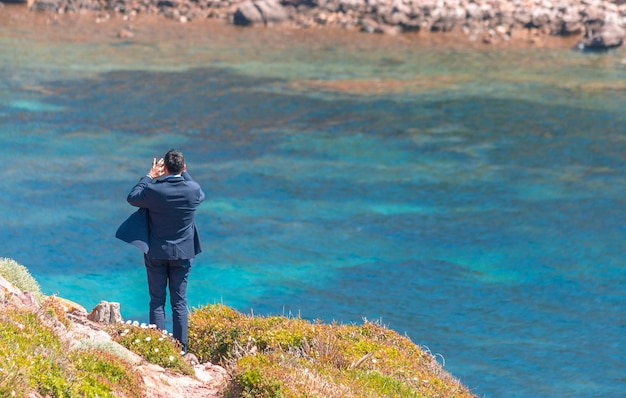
(126, 331)
(137, 341)
(171, 358)
(128, 322)
(152, 326)
(148, 338)
(160, 338)
(144, 326)
(156, 350)
(164, 331)
(135, 323)
(374, 360)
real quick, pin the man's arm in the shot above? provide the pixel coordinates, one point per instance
(137, 196)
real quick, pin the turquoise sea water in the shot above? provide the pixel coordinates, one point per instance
(471, 199)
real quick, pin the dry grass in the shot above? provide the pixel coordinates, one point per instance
(287, 357)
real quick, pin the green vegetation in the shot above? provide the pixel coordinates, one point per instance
(284, 357)
(268, 357)
(19, 276)
(153, 345)
(34, 358)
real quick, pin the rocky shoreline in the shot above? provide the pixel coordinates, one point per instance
(596, 24)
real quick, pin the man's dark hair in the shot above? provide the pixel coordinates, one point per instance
(174, 161)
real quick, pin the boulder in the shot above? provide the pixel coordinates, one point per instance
(45, 5)
(106, 312)
(569, 24)
(370, 26)
(259, 12)
(347, 5)
(447, 20)
(602, 36)
(272, 11)
(540, 17)
(247, 14)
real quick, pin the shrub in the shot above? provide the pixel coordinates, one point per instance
(154, 346)
(105, 374)
(34, 358)
(18, 275)
(254, 380)
(286, 357)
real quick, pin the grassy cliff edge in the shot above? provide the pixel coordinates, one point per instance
(273, 356)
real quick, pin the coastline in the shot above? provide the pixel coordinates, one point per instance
(86, 24)
(597, 74)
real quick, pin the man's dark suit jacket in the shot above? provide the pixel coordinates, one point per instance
(164, 226)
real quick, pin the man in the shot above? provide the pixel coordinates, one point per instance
(171, 198)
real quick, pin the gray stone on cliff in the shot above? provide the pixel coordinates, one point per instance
(8, 291)
(265, 12)
(272, 11)
(45, 5)
(347, 5)
(446, 20)
(569, 23)
(247, 14)
(602, 34)
(106, 312)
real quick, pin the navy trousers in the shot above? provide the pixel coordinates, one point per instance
(176, 272)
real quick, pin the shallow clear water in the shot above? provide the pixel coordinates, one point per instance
(472, 199)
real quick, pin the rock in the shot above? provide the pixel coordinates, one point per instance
(106, 312)
(594, 14)
(11, 293)
(446, 21)
(569, 24)
(540, 17)
(210, 374)
(523, 17)
(370, 26)
(347, 5)
(69, 306)
(271, 11)
(7, 287)
(247, 14)
(265, 12)
(45, 5)
(125, 33)
(602, 37)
